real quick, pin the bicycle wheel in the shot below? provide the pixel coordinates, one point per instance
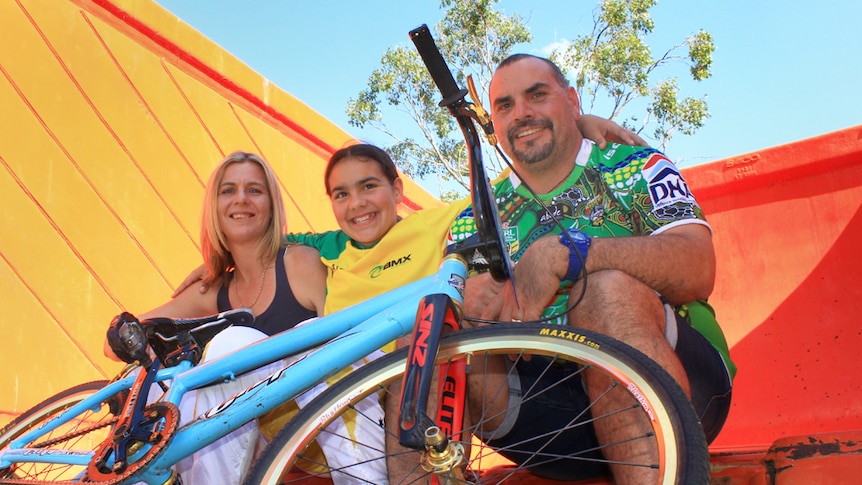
(674, 432)
(85, 432)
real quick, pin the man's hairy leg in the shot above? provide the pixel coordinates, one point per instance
(617, 305)
(487, 387)
(403, 463)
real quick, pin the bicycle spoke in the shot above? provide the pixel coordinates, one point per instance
(558, 365)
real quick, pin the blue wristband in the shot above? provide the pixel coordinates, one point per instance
(578, 244)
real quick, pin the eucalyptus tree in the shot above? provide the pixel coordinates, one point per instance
(613, 65)
(614, 62)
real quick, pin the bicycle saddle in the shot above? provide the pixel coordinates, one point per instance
(174, 339)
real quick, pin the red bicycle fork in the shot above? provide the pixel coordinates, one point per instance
(440, 437)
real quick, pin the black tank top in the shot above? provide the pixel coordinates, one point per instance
(283, 313)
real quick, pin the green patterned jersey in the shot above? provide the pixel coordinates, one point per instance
(620, 191)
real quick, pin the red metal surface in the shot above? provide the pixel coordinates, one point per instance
(787, 225)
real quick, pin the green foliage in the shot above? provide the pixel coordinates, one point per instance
(612, 62)
(473, 39)
(614, 59)
(700, 49)
(686, 115)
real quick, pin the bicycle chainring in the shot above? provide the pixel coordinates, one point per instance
(163, 420)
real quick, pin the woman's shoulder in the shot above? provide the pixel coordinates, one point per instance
(303, 260)
(300, 252)
(306, 276)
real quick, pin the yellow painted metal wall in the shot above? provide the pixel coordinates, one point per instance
(112, 115)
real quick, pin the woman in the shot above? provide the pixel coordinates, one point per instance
(244, 257)
(248, 266)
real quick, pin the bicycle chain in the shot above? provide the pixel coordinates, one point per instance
(54, 441)
(171, 415)
(75, 434)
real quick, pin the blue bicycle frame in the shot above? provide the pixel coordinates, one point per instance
(348, 335)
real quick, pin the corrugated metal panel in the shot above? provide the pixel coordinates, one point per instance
(787, 224)
(113, 115)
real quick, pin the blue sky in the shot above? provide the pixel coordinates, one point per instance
(782, 70)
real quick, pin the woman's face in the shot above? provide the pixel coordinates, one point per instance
(363, 200)
(244, 206)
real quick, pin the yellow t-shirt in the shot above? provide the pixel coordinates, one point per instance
(411, 250)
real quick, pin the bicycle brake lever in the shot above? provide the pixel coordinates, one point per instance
(482, 116)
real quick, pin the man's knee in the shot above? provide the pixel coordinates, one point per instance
(610, 283)
(612, 298)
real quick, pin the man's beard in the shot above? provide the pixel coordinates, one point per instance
(532, 154)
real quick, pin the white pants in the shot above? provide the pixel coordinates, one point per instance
(227, 460)
(362, 459)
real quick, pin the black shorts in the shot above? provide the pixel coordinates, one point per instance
(549, 410)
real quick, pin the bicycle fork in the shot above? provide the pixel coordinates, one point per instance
(443, 455)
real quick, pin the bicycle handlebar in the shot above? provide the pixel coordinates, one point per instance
(436, 66)
(490, 243)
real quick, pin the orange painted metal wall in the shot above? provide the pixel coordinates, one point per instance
(787, 226)
(114, 113)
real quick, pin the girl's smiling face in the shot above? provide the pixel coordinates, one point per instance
(363, 200)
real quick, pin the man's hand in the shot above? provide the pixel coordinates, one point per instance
(479, 292)
(197, 275)
(537, 278)
(601, 131)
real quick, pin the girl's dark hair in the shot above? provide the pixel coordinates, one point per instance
(362, 151)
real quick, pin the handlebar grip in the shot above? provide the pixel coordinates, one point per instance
(436, 65)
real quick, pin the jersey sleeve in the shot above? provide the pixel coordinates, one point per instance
(651, 189)
(305, 238)
(330, 244)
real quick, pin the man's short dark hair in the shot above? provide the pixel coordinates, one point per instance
(561, 78)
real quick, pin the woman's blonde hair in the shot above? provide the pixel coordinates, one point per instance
(216, 256)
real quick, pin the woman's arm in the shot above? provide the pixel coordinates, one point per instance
(307, 276)
(190, 303)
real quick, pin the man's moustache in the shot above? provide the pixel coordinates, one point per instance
(526, 124)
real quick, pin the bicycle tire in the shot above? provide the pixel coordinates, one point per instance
(42, 413)
(683, 450)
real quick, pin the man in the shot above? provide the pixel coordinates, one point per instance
(637, 241)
